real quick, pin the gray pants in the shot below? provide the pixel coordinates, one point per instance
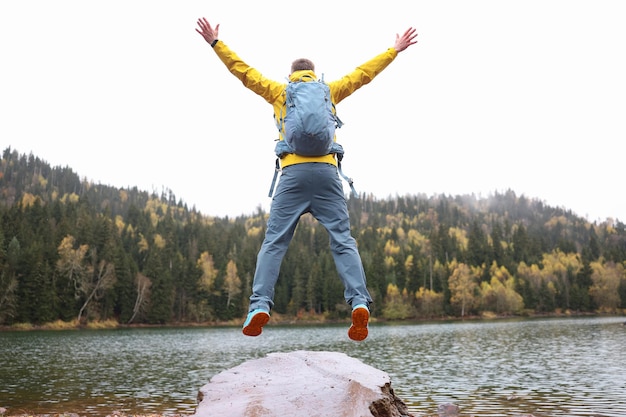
(317, 189)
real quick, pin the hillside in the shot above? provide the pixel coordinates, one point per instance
(74, 250)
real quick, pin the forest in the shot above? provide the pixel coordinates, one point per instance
(75, 251)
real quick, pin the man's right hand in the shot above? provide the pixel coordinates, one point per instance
(208, 33)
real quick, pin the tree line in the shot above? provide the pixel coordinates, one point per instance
(72, 250)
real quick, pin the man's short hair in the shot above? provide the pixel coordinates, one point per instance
(301, 64)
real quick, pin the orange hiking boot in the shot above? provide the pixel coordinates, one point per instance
(253, 326)
(360, 317)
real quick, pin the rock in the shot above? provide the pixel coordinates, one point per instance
(300, 384)
(448, 410)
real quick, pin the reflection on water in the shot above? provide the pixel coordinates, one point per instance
(549, 367)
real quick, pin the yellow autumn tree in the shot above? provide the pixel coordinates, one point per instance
(209, 273)
(558, 267)
(232, 282)
(429, 303)
(91, 276)
(463, 287)
(391, 248)
(29, 199)
(102, 277)
(71, 262)
(540, 282)
(397, 304)
(159, 241)
(606, 277)
(499, 295)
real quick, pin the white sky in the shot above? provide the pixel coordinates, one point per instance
(526, 95)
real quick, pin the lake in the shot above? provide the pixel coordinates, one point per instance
(544, 367)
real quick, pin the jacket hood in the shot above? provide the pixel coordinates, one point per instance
(297, 75)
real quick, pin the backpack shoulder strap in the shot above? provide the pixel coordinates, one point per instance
(279, 120)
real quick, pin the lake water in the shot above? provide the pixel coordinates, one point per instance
(544, 367)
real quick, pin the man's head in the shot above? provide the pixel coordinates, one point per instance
(302, 64)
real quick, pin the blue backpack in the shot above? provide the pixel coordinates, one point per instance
(309, 124)
(310, 118)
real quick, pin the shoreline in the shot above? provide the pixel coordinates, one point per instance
(282, 320)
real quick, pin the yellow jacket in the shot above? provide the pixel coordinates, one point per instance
(273, 91)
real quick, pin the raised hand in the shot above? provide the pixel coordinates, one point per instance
(208, 33)
(406, 40)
